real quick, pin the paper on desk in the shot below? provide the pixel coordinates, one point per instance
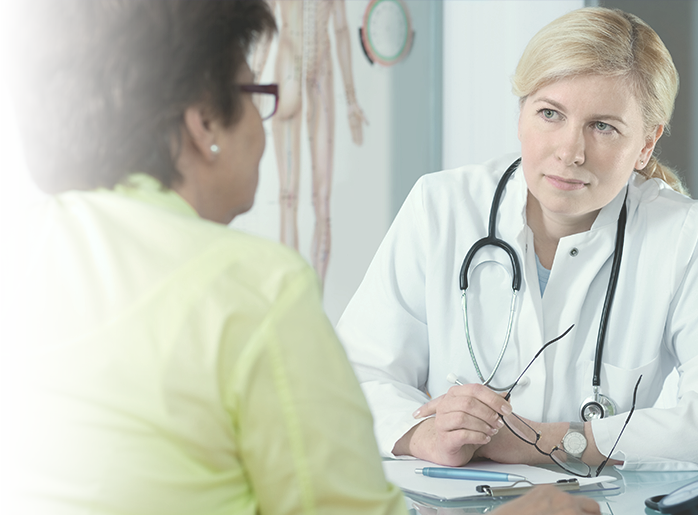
(401, 473)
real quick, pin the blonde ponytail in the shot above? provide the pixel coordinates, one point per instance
(655, 169)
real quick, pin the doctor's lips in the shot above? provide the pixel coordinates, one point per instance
(565, 184)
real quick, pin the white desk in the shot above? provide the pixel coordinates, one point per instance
(635, 487)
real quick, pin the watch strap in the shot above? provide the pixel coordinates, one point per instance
(577, 427)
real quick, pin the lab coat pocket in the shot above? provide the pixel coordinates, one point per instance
(618, 383)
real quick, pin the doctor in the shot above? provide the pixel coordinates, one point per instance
(597, 90)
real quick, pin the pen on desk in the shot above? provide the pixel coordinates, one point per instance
(477, 475)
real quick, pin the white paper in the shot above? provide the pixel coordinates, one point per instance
(402, 474)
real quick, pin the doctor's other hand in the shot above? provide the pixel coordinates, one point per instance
(506, 447)
(465, 418)
(548, 500)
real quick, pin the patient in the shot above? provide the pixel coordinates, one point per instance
(168, 364)
(159, 362)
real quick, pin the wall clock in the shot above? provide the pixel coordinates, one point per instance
(386, 32)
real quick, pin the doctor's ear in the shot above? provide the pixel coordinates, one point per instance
(201, 127)
(650, 142)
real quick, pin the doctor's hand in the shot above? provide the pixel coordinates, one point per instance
(465, 418)
(548, 500)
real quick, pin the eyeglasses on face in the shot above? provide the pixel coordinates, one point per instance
(560, 457)
(264, 96)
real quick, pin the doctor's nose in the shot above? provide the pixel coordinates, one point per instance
(571, 147)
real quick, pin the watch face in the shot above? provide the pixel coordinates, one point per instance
(574, 443)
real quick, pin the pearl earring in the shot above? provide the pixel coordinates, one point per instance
(215, 149)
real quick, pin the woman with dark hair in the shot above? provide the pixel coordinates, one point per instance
(163, 363)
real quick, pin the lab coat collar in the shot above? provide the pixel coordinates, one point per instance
(610, 212)
(518, 189)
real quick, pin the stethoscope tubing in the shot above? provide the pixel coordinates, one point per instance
(491, 238)
(610, 291)
(486, 382)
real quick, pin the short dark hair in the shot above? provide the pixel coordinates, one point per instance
(104, 83)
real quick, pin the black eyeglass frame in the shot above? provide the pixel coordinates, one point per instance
(268, 89)
(556, 448)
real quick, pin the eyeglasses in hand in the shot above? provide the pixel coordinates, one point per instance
(526, 433)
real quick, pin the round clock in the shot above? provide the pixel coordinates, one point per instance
(386, 32)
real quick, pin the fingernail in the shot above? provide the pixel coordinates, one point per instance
(487, 439)
(506, 409)
(416, 414)
(500, 423)
(495, 431)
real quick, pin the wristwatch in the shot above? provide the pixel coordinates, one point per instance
(574, 442)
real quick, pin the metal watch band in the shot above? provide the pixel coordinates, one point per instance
(577, 427)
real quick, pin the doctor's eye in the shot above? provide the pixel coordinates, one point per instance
(603, 127)
(548, 114)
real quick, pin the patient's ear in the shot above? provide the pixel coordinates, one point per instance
(200, 126)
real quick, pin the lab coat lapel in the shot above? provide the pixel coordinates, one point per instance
(578, 260)
(575, 295)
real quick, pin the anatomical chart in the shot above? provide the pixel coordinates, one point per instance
(303, 69)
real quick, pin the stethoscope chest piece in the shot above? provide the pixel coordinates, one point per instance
(597, 406)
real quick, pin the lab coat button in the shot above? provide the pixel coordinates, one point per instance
(574, 252)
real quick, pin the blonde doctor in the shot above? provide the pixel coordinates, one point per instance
(597, 90)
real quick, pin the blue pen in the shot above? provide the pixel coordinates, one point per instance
(476, 475)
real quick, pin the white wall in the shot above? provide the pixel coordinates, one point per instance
(483, 40)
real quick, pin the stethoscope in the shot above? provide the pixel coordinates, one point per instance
(597, 405)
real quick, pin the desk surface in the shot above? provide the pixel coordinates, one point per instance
(635, 487)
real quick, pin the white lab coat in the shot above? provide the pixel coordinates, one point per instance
(403, 329)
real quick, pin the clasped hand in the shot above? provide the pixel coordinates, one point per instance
(465, 418)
